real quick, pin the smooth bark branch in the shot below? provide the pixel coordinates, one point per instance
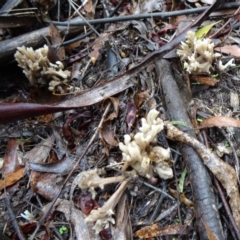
(203, 195)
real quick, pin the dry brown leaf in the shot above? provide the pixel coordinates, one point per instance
(11, 160)
(220, 121)
(45, 184)
(234, 50)
(207, 80)
(107, 136)
(155, 230)
(12, 178)
(97, 45)
(56, 39)
(115, 103)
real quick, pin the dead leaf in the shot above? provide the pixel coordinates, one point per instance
(234, 50)
(12, 178)
(56, 39)
(12, 158)
(155, 230)
(131, 115)
(106, 134)
(220, 121)
(97, 46)
(115, 103)
(207, 80)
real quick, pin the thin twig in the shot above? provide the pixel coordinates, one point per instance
(157, 189)
(41, 220)
(228, 211)
(13, 219)
(83, 18)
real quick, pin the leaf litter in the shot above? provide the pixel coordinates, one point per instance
(85, 137)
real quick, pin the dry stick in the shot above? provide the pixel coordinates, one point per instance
(13, 218)
(40, 222)
(221, 170)
(203, 196)
(227, 209)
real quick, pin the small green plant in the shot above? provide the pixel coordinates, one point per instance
(226, 144)
(63, 229)
(178, 123)
(181, 180)
(215, 75)
(199, 120)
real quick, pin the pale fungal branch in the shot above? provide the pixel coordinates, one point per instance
(142, 153)
(103, 215)
(221, 170)
(198, 55)
(39, 70)
(90, 179)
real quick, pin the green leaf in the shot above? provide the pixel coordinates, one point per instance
(203, 31)
(181, 180)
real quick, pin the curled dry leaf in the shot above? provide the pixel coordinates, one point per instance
(86, 203)
(107, 136)
(12, 158)
(155, 230)
(220, 121)
(114, 114)
(131, 115)
(218, 167)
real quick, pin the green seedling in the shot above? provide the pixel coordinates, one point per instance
(181, 180)
(199, 120)
(63, 229)
(215, 75)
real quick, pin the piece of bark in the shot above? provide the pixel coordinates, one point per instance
(203, 195)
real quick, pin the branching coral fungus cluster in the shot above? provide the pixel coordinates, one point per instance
(140, 153)
(198, 55)
(39, 70)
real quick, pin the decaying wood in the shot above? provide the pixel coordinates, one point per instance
(203, 196)
(221, 170)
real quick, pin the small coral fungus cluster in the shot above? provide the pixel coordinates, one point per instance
(198, 54)
(139, 152)
(39, 70)
(142, 153)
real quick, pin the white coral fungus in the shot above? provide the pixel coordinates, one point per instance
(197, 54)
(91, 179)
(38, 69)
(103, 216)
(143, 154)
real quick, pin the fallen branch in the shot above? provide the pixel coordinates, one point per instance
(203, 195)
(221, 170)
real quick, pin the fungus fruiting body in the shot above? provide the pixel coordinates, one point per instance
(142, 153)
